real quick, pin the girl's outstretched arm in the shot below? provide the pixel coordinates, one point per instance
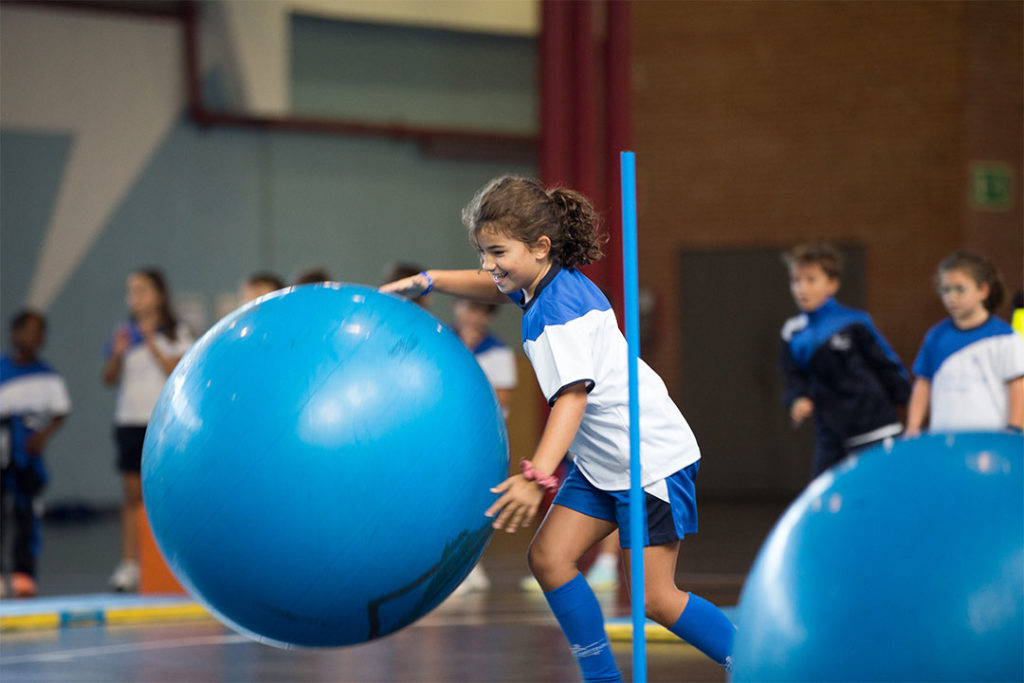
(468, 284)
(517, 505)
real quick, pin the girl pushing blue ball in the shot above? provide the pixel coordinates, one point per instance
(532, 241)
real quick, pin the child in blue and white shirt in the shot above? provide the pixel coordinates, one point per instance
(473, 326)
(33, 404)
(970, 369)
(531, 241)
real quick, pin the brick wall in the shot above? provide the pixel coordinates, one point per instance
(766, 123)
(993, 102)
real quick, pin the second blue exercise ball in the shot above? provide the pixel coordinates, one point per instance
(318, 465)
(903, 564)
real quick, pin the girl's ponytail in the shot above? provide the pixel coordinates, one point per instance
(580, 244)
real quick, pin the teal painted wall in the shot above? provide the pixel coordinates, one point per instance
(411, 75)
(215, 204)
(30, 174)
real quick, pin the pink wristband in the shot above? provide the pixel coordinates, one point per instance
(530, 472)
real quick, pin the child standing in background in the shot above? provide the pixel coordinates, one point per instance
(140, 356)
(33, 404)
(531, 242)
(970, 367)
(473, 326)
(835, 363)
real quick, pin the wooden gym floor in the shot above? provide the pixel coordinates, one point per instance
(504, 634)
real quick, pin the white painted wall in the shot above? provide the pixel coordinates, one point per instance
(115, 85)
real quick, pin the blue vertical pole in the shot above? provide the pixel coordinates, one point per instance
(637, 511)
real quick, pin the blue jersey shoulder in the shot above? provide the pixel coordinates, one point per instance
(10, 370)
(945, 338)
(566, 296)
(489, 342)
(806, 333)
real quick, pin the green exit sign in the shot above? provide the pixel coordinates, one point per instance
(991, 186)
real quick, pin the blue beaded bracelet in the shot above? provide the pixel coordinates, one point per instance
(430, 283)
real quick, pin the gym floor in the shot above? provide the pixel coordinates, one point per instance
(504, 634)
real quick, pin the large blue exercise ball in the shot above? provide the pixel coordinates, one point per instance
(905, 563)
(318, 465)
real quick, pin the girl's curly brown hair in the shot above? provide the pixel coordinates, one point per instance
(524, 210)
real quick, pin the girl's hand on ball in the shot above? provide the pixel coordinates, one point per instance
(517, 505)
(410, 287)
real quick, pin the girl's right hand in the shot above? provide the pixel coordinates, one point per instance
(517, 506)
(409, 287)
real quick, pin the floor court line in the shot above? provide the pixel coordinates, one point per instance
(430, 622)
(80, 653)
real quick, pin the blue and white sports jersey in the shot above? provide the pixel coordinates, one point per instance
(142, 378)
(31, 395)
(570, 335)
(968, 371)
(33, 392)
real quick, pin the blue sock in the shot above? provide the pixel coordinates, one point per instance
(579, 615)
(706, 628)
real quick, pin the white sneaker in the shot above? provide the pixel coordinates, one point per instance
(476, 582)
(125, 578)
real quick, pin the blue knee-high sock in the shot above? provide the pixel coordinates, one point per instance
(579, 615)
(706, 628)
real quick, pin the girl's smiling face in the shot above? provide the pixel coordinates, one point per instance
(513, 264)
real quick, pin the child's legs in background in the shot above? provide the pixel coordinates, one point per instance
(21, 522)
(27, 534)
(130, 440)
(130, 515)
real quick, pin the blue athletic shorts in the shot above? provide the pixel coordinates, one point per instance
(666, 522)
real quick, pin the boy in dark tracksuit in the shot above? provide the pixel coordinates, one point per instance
(836, 365)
